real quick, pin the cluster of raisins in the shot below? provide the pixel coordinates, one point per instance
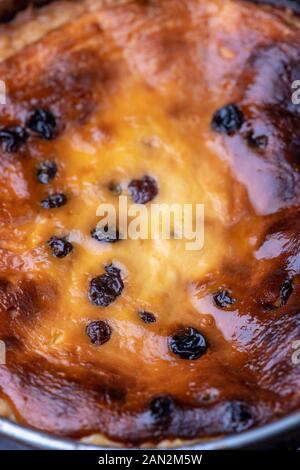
(187, 343)
(41, 122)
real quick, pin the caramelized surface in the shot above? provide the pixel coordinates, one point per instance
(133, 89)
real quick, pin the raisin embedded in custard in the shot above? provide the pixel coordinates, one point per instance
(105, 289)
(99, 332)
(239, 416)
(187, 343)
(53, 201)
(162, 407)
(147, 317)
(227, 120)
(60, 247)
(12, 138)
(223, 299)
(106, 234)
(46, 172)
(286, 291)
(143, 190)
(43, 123)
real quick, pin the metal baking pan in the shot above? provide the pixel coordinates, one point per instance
(279, 433)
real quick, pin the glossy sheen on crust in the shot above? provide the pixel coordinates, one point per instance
(133, 89)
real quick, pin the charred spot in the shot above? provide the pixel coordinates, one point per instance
(12, 138)
(53, 201)
(146, 3)
(279, 63)
(104, 289)
(46, 172)
(268, 307)
(143, 190)
(76, 83)
(147, 317)
(8, 9)
(43, 123)
(187, 343)
(227, 120)
(23, 297)
(41, 3)
(116, 394)
(99, 332)
(111, 394)
(109, 390)
(162, 407)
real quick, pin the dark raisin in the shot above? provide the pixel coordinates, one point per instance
(227, 120)
(143, 190)
(60, 247)
(46, 172)
(239, 416)
(54, 200)
(286, 291)
(162, 407)
(147, 317)
(188, 343)
(112, 269)
(106, 234)
(258, 142)
(115, 188)
(43, 123)
(99, 332)
(223, 299)
(104, 289)
(12, 138)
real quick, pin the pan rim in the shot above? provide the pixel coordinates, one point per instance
(36, 439)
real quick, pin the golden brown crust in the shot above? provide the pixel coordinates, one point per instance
(133, 90)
